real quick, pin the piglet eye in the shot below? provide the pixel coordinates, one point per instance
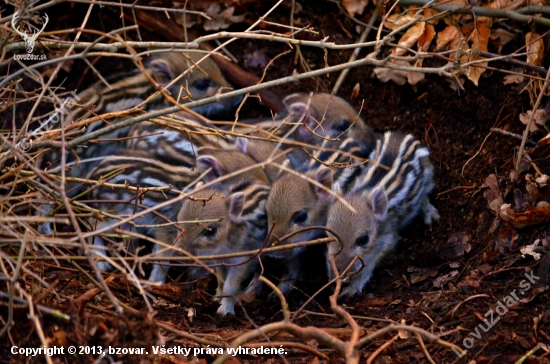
(362, 241)
(342, 125)
(203, 84)
(210, 232)
(300, 217)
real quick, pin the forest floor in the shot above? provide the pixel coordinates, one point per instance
(448, 280)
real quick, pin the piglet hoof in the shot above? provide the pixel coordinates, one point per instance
(104, 266)
(430, 214)
(157, 275)
(45, 228)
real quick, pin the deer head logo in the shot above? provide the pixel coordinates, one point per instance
(29, 40)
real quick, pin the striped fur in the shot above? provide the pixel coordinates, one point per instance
(327, 116)
(131, 89)
(386, 201)
(149, 170)
(242, 226)
(295, 203)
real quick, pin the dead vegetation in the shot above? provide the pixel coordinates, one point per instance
(480, 79)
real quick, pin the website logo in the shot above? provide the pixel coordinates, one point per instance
(29, 40)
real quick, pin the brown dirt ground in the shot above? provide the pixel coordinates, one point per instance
(453, 124)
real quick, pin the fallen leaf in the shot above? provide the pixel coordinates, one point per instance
(530, 250)
(221, 20)
(540, 118)
(445, 36)
(385, 74)
(396, 21)
(545, 140)
(421, 274)
(256, 59)
(480, 38)
(503, 36)
(411, 36)
(492, 195)
(506, 4)
(532, 216)
(513, 79)
(457, 246)
(443, 280)
(354, 6)
(535, 48)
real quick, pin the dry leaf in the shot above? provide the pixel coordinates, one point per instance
(221, 20)
(460, 45)
(503, 36)
(396, 21)
(426, 38)
(354, 6)
(506, 4)
(411, 36)
(545, 140)
(480, 38)
(535, 48)
(540, 118)
(385, 74)
(428, 13)
(446, 36)
(415, 77)
(513, 79)
(443, 280)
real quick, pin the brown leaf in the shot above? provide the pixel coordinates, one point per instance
(503, 36)
(354, 6)
(492, 195)
(506, 4)
(480, 38)
(385, 74)
(221, 20)
(415, 77)
(426, 38)
(540, 118)
(411, 36)
(545, 140)
(421, 274)
(446, 36)
(535, 48)
(513, 79)
(457, 246)
(443, 280)
(532, 216)
(396, 21)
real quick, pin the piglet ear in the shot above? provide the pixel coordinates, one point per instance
(242, 144)
(207, 161)
(324, 177)
(237, 205)
(285, 164)
(161, 71)
(337, 191)
(379, 203)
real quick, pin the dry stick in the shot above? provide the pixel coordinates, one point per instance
(428, 356)
(381, 349)
(416, 330)
(186, 46)
(77, 258)
(513, 135)
(68, 207)
(355, 53)
(528, 126)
